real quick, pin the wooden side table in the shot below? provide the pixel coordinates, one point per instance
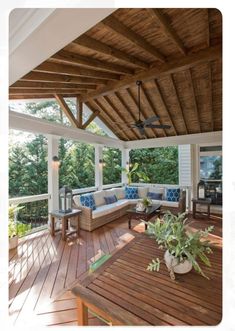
(64, 219)
(206, 202)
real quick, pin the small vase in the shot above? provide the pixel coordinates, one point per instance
(13, 242)
(175, 266)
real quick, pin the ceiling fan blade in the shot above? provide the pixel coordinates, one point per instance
(142, 131)
(151, 119)
(158, 126)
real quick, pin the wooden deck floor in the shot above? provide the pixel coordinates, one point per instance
(43, 269)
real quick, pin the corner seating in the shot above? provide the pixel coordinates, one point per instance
(105, 213)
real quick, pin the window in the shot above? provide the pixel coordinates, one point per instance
(159, 164)
(77, 168)
(111, 166)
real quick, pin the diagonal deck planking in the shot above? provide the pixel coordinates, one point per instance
(43, 270)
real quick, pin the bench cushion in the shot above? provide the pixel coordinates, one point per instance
(99, 198)
(107, 209)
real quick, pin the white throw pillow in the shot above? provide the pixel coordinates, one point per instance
(76, 199)
(109, 193)
(99, 198)
(120, 193)
(143, 191)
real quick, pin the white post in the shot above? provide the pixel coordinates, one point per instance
(53, 173)
(99, 167)
(125, 164)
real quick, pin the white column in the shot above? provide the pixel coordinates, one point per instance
(98, 167)
(53, 173)
(125, 164)
(185, 170)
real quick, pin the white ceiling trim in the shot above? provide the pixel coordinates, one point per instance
(40, 41)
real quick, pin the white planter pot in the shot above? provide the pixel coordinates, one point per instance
(13, 242)
(172, 264)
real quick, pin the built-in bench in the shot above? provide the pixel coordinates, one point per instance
(102, 213)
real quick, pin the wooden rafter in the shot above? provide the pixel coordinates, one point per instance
(166, 28)
(73, 58)
(143, 113)
(79, 112)
(116, 26)
(90, 119)
(210, 96)
(102, 48)
(38, 96)
(103, 109)
(122, 118)
(66, 110)
(14, 91)
(191, 84)
(207, 30)
(53, 77)
(152, 107)
(51, 67)
(179, 107)
(161, 98)
(48, 85)
(165, 69)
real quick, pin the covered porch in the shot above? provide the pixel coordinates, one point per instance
(97, 68)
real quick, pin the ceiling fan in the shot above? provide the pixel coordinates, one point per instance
(148, 123)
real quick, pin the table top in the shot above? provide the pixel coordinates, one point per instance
(147, 211)
(135, 296)
(58, 213)
(203, 201)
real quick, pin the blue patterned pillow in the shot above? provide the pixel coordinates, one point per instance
(87, 200)
(173, 194)
(131, 192)
(154, 196)
(110, 199)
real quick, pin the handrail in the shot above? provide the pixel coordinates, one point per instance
(84, 190)
(29, 198)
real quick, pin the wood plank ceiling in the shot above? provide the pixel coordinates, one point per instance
(175, 52)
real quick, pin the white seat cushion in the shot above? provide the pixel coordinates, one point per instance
(99, 198)
(143, 191)
(107, 209)
(166, 203)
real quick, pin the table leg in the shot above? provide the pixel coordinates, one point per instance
(129, 222)
(64, 227)
(82, 313)
(78, 226)
(194, 210)
(209, 211)
(52, 226)
(145, 225)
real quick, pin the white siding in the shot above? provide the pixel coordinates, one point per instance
(184, 165)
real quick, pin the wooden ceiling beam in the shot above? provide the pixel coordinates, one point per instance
(56, 68)
(79, 107)
(152, 107)
(191, 85)
(98, 104)
(131, 95)
(183, 63)
(38, 96)
(122, 118)
(207, 30)
(14, 91)
(115, 25)
(166, 28)
(179, 104)
(51, 77)
(45, 85)
(66, 110)
(162, 100)
(90, 119)
(102, 48)
(73, 58)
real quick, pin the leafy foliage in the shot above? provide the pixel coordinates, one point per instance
(170, 234)
(14, 227)
(133, 172)
(159, 164)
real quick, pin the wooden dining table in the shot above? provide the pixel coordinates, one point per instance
(123, 292)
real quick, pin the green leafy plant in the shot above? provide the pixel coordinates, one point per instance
(134, 171)
(171, 234)
(146, 202)
(14, 227)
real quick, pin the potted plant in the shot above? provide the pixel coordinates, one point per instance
(15, 229)
(134, 171)
(147, 202)
(182, 247)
